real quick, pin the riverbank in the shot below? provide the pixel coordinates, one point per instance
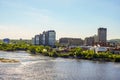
(77, 53)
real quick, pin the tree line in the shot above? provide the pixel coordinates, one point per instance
(71, 53)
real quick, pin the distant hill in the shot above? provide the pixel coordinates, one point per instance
(115, 40)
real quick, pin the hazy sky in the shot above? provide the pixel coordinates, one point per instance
(69, 18)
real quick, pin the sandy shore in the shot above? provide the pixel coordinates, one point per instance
(8, 60)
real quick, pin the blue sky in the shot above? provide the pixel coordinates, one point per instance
(69, 18)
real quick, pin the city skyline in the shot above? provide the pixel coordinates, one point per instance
(69, 18)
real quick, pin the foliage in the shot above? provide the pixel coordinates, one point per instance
(64, 55)
(39, 49)
(71, 54)
(76, 52)
(117, 59)
(48, 51)
(45, 52)
(53, 54)
(32, 49)
(115, 40)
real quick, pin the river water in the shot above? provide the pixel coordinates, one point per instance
(36, 67)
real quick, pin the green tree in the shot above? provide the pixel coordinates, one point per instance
(78, 52)
(53, 54)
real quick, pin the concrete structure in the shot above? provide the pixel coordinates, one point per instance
(50, 38)
(118, 45)
(43, 38)
(100, 49)
(33, 40)
(95, 38)
(102, 35)
(47, 38)
(71, 41)
(6, 40)
(89, 41)
(37, 39)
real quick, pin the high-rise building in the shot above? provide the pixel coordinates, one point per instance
(37, 39)
(43, 38)
(47, 38)
(50, 38)
(33, 41)
(102, 35)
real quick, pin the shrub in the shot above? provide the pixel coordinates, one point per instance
(39, 49)
(64, 55)
(45, 52)
(77, 52)
(53, 54)
(71, 54)
(32, 49)
(117, 59)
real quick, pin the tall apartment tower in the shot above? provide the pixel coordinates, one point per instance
(50, 38)
(43, 38)
(47, 38)
(102, 35)
(37, 38)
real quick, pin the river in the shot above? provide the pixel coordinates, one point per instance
(37, 67)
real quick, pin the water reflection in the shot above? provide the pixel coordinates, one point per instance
(35, 67)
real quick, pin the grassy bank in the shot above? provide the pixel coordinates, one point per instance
(72, 53)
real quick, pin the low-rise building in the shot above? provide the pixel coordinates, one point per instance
(100, 49)
(6, 40)
(71, 41)
(115, 50)
(89, 41)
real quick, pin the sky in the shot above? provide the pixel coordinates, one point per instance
(69, 18)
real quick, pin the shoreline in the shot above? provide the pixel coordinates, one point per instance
(4, 60)
(75, 53)
(60, 55)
